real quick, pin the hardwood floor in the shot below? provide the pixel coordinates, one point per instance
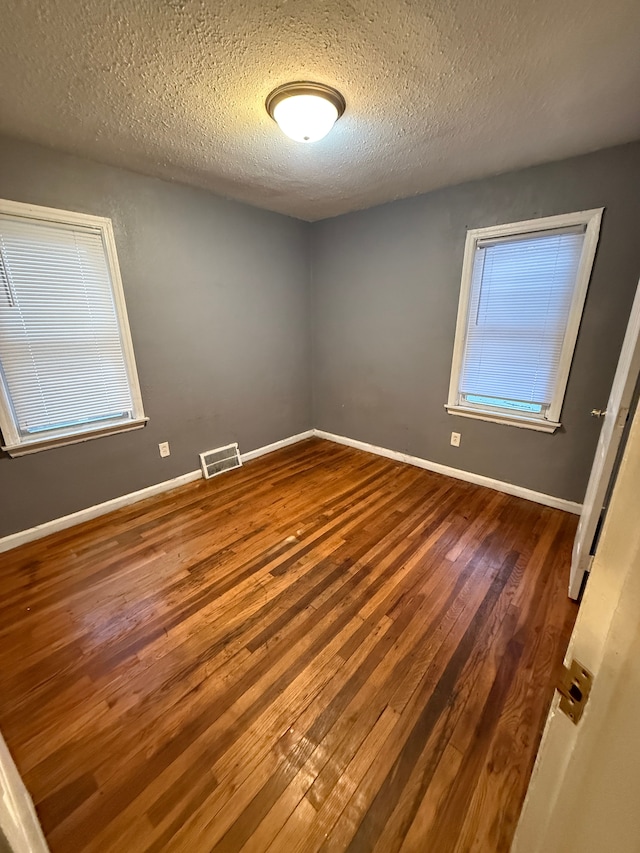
(322, 651)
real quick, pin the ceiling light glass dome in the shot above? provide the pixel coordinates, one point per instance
(305, 112)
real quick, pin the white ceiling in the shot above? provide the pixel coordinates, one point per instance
(437, 91)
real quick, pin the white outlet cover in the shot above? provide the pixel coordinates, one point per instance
(455, 439)
(163, 447)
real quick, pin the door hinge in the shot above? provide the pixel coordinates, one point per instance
(574, 687)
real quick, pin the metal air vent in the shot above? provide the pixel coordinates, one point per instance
(221, 459)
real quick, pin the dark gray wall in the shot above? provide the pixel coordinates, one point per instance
(218, 300)
(386, 283)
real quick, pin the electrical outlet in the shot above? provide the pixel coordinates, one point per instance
(163, 447)
(455, 439)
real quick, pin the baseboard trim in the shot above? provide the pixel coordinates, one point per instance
(13, 540)
(459, 474)
(22, 537)
(277, 445)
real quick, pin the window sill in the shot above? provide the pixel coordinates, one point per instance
(509, 420)
(26, 447)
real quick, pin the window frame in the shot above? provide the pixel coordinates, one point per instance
(16, 444)
(549, 420)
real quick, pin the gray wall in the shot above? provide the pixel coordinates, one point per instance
(221, 304)
(218, 300)
(385, 287)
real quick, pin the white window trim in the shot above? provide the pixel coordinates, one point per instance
(14, 443)
(591, 219)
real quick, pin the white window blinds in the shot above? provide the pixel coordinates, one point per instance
(65, 368)
(521, 296)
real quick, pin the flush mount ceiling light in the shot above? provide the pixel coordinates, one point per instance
(305, 111)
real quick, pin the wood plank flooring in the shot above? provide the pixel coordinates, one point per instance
(323, 651)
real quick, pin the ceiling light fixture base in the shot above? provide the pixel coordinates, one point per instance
(305, 111)
(305, 87)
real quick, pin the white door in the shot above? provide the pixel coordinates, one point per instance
(585, 788)
(615, 419)
(19, 828)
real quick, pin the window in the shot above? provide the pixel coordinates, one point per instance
(67, 370)
(521, 300)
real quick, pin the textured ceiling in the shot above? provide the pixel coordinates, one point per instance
(437, 91)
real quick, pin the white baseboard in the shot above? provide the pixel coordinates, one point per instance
(284, 442)
(41, 530)
(56, 524)
(467, 476)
